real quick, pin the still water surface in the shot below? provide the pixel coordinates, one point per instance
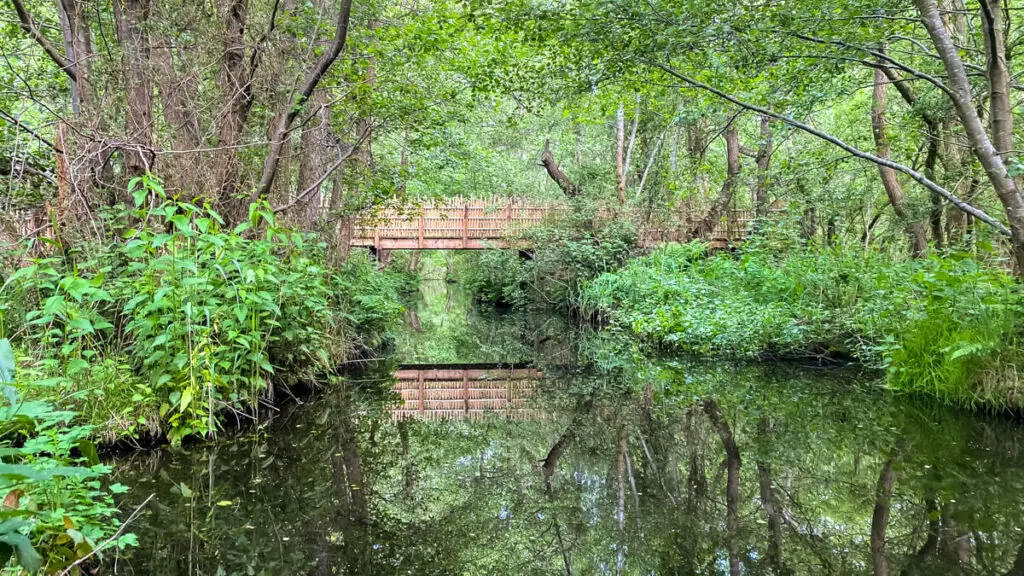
(610, 463)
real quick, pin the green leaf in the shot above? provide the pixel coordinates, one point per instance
(118, 488)
(76, 365)
(88, 450)
(28, 558)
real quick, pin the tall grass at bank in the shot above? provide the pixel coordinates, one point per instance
(945, 326)
(177, 321)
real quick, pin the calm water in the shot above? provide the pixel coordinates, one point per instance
(610, 464)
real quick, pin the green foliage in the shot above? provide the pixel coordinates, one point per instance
(55, 510)
(181, 319)
(561, 255)
(946, 326)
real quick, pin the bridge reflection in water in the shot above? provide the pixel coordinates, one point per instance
(465, 392)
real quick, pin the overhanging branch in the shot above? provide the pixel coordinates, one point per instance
(29, 26)
(914, 174)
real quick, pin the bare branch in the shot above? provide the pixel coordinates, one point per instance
(914, 174)
(30, 27)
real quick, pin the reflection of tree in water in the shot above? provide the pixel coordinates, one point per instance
(443, 326)
(722, 471)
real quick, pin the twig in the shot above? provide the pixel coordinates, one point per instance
(109, 540)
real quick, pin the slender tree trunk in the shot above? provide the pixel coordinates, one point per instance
(1006, 188)
(998, 76)
(931, 158)
(310, 81)
(809, 223)
(632, 139)
(316, 143)
(131, 18)
(764, 155)
(78, 51)
(880, 516)
(927, 550)
(620, 167)
(621, 513)
(893, 188)
(238, 93)
(177, 94)
(771, 508)
(707, 225)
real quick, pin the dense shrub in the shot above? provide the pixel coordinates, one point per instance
(556, 259)
(947, 326)
(180, 319)
(55, 509)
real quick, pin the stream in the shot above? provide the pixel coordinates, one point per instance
(496, 443)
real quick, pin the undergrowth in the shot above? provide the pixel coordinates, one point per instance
(559, 256)
(178, 320)
(944, 326)
(57, 512)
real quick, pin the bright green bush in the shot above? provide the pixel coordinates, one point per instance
(946, 326)
(560, 256)
(55, 509)
(180, 319)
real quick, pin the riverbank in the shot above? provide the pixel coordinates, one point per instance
(947, 326)
(181, 321)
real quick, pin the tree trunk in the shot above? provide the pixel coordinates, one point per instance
(131, 22)
(570, 188)
(935, 215)
(998, 77)
(917, 561)
(632, 140)
(78, 51)
(177, 94)
(310, 81)
(880, 516)
(316, 141)
(620, 167)
(707, 225)
(771, 508)
(809, 223)
(893, 188)
(764, 155)
(238, 92)
(988, 155)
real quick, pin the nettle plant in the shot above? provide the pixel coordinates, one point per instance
(180, 318)
(213, 314)
(55, 514)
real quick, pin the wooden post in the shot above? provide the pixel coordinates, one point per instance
(419, 240)
(422, 401)
(465, 227)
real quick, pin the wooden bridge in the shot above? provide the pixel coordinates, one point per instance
(484, 224)
(465, 392)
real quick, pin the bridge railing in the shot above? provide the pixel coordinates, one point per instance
(477, 224)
